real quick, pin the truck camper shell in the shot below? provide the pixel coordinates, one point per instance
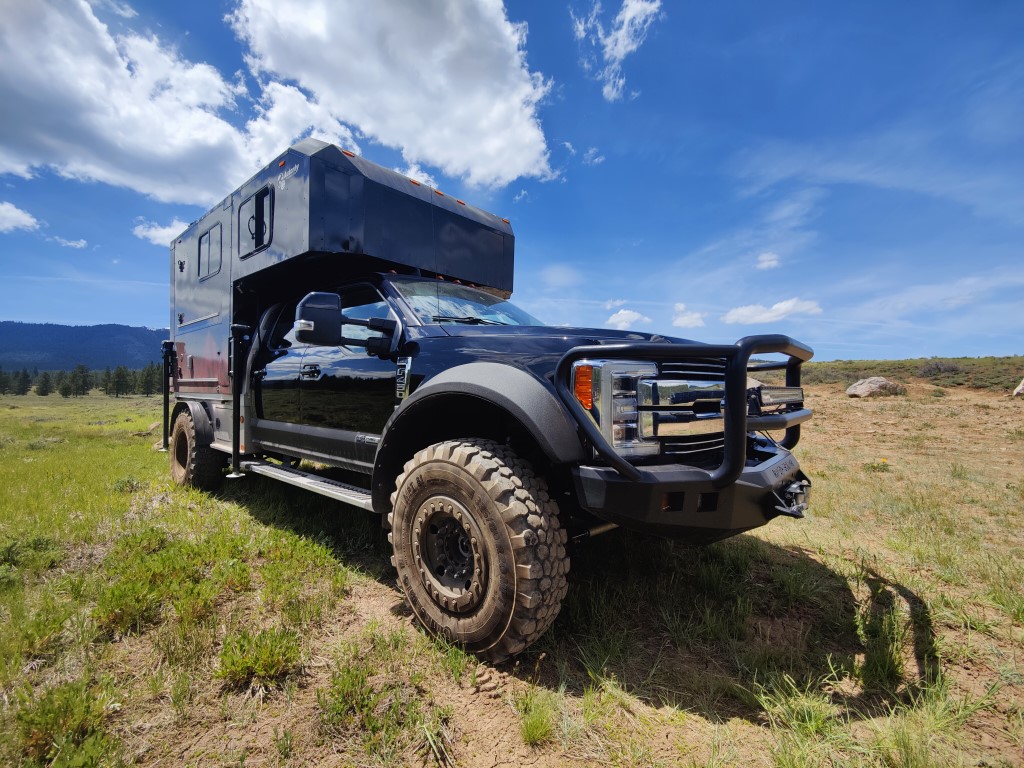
(318, 207)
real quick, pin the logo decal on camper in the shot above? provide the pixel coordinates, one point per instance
(283, 176)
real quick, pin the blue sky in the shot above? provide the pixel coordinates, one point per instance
(851, 174)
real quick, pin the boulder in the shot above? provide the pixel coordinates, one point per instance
(1019, 390)
(876, 386)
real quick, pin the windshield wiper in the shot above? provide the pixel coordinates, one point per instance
(468, 320)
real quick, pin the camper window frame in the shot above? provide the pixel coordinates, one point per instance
(244, 226)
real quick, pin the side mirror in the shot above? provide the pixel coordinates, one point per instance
(387, 343)
(318, 320)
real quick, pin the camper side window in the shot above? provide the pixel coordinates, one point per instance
(256, 222)
(210, 253)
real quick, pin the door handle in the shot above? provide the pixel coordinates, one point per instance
(311, 371)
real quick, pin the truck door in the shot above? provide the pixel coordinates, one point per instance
(344, 388)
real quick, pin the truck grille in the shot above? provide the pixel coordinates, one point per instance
(707, 448)
(700, 369)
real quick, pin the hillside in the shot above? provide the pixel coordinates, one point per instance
(48, 346)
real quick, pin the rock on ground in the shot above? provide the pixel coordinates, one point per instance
(876, 386)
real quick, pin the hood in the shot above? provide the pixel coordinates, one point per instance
(572, 337)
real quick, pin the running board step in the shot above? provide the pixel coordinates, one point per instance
(349, 494)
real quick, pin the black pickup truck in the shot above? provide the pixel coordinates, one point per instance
(332, 312)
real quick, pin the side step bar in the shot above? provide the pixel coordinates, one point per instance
(349, 494)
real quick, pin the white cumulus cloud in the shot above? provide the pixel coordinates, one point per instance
(414, 171)
(12, 218)
(757, 313)
(628, 32)
(684, 318)
(444, 81)
(613, 303)
(123, 10)
(81, 243)
(768, 260)
(624, 319)
(157, 234)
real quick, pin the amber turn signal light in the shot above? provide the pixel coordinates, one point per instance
(583, 386)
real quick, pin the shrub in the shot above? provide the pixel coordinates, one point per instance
(258, 659)
(64, 723)
(935, 368)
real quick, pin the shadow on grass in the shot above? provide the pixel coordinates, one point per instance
(355, 536)
(702, 628)
(696, 628)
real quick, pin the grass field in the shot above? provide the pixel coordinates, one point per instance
(144, 624)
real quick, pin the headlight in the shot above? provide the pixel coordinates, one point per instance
(608, 390)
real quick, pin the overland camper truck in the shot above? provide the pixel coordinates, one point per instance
(332, 318)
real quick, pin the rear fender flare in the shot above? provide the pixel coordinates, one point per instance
(201, 419)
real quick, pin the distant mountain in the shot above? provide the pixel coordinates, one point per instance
(50, 347)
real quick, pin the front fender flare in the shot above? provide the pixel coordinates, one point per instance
(520, 394)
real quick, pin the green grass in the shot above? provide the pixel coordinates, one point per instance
(65, 725)
(97, 549)
(374, 698)
(135, 616)
(258, 659)
(537, 714)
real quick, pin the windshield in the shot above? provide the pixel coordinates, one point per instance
(435, 301)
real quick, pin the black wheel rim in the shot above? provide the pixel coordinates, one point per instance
(446, 547)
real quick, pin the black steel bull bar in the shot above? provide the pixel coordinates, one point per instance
(737, 366)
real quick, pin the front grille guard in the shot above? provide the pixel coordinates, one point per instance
(737, 358)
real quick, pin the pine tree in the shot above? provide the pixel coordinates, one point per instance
(149, 379)
(106, 381)
(120, 382)
(22, 382)
(44, 385)
(81, 381)
(5, 382)
(65, 388)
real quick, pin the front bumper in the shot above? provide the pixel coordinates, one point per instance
(682, 502)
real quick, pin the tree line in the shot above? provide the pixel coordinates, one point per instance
(80, 381)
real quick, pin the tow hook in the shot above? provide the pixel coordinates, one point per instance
(793, 499)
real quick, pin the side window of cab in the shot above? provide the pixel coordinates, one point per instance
(282, 337)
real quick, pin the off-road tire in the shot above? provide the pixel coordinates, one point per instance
(191, 464)
(478, 547)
